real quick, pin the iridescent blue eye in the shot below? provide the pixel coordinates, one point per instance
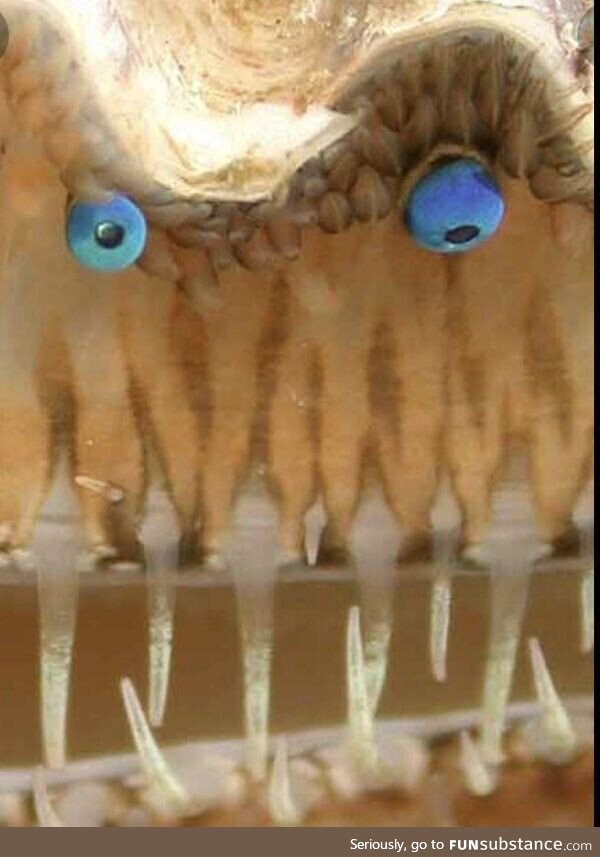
(106, 237)
(455, 207)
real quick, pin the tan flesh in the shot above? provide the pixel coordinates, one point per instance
(384, 362)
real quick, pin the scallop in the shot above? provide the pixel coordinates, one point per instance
(296, 413)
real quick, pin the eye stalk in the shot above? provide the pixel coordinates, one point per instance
(455, 207)
(106, 237)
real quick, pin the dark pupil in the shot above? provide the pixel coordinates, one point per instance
(109, 235)
(462, 234)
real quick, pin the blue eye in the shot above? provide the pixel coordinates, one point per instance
(106, 237)
(455, 207)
